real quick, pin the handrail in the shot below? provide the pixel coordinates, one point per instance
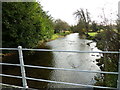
(57, 82)
(7, 85)
(65, 69)
(48, 50)
(23, 77)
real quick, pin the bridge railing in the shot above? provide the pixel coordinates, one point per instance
(24, 78)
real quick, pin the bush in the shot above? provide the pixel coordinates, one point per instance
(108, 40)
(25, 24)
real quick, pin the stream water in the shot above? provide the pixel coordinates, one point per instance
(70, 60)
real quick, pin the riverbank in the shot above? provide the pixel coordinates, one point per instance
(41, 43)
(107, 40)
(92, 34)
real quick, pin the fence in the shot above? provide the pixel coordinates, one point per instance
(24, 78)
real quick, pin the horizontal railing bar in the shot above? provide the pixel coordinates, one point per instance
(76, 51)
(8, 48)
(75, 84)
(9, 64)
(14, 86)
(5, 75)
(70, 69)
(41, 67)
(57, 82)
(8, 85)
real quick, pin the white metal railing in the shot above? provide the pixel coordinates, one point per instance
(23, 74)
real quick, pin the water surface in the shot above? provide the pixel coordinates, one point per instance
(79, 61)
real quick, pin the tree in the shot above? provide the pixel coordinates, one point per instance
(118, 25)
(24, 23)
(83, 20)
(60, 26)
(94, 26)
(108, 40)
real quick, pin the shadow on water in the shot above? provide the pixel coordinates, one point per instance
(34, 58)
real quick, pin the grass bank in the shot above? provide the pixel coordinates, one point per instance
(58, 35)
(92, 34)
(41, 43)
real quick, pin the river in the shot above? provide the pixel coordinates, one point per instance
(69, 60)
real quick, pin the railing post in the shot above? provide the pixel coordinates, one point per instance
(22, 67)
(118, 82)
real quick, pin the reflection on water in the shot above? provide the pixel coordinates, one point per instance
(81, 61)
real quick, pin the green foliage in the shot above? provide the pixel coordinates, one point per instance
(57, 35)
(83, 21)
(118, 25)
(54, 36)
(108, 40)
(25, 24)
(93, 34)
(61, 26)
(64, 33)
(94, 27)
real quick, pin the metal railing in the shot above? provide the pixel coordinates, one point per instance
(24, 78)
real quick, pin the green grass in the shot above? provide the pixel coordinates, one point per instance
(57, 35)
(92, 33)
(54, 36)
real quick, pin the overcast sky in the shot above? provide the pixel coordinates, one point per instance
(64, 9)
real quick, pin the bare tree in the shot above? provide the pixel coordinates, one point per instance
(83, 19)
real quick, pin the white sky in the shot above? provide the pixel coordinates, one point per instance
(64, 9)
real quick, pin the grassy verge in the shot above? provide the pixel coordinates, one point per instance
(41, 43)
(57, 35)
(92, 34)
